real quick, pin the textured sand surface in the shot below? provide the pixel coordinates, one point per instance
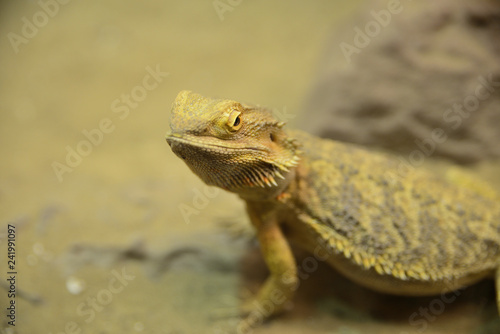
(102, 245)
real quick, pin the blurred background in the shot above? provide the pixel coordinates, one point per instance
(113, 232)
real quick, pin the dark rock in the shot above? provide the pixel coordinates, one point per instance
(182, 252)
(411, 77)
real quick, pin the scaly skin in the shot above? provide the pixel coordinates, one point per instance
(395, 230)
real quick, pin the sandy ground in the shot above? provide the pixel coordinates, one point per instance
(101, 243)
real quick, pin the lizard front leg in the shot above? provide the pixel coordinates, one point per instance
(280, 286)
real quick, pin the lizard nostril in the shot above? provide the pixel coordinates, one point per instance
(271, 136)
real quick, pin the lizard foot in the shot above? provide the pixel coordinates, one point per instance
(246, 316)
(234, 307)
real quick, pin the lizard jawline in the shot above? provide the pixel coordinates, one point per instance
(230, 168)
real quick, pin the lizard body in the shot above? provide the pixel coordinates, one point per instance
(411, 234)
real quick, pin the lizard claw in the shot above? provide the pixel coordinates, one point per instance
(242, 317)
(233, 307)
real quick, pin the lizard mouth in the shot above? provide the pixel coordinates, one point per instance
(177, 142)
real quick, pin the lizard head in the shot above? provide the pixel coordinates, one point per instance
(234, 146)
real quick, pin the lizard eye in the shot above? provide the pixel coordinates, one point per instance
(234, 120)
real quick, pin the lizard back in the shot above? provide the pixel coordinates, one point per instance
(413, 226)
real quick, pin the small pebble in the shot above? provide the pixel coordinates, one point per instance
(75, 285)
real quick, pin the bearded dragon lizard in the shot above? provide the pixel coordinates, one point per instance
(410, 233)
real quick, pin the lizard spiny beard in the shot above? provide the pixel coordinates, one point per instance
(236, 169)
